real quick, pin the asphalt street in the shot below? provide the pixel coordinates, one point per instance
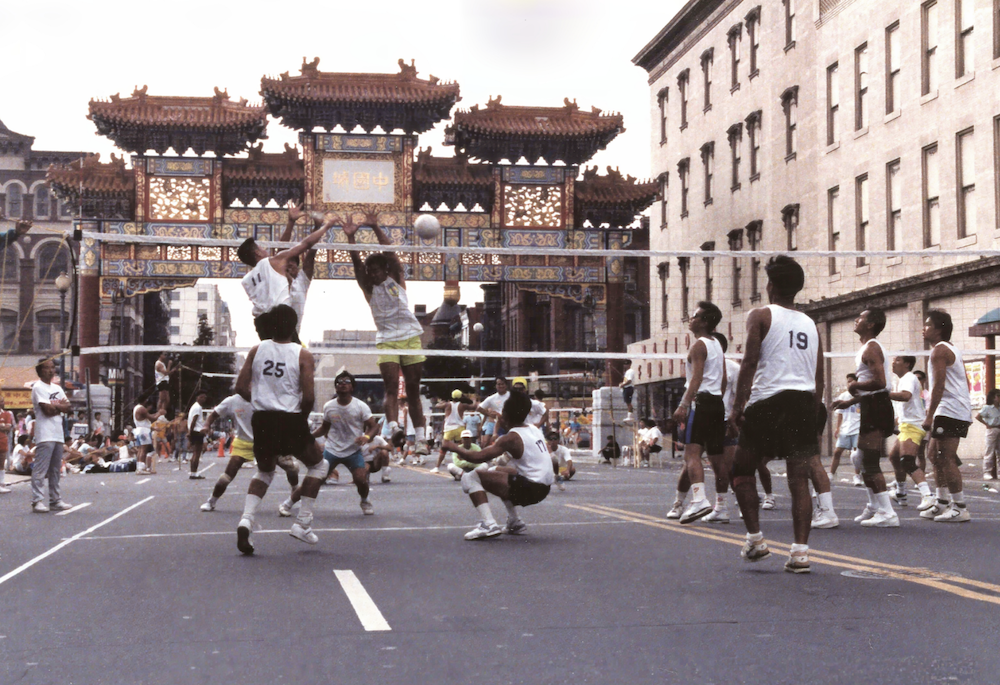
(139, 586)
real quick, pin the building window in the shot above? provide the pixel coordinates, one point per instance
(683, 263)
(41, 202)
(47, 329)
(894, 205)
(65, 210)
(929, 44)
(735, 134)
(753, 35)
(708, 162)
(664, 198)
(789, 105)
(706, 70)
(996, 29)
(861, 87)
(683, 80)
(664, 272)
(965, 11)
(735, 245)
(833, 221)
(754, 231)
(174, 296)
(753, 137)
(15, 201)
(203, 296)
(861, 216)
(789, 24)
(684, 172)
(709, 276)
(202, 312)
(833, 102)
(175, 313)
(892, 62)
(663, 100)
(53, 259)
(175, 330)
(932, 196)
(966, 184)
(735, 37)
(996, 163)
(790, 220)
(8, 329)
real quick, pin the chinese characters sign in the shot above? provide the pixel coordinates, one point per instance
(358, 181)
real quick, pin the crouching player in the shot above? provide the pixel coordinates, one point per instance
(525, 481)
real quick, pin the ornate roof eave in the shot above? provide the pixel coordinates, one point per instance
(330, 99)
(612, 199)
(13, 142)
(264, 177)
(90, 177)
(451, 181)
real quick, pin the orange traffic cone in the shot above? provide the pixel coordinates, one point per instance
(222, 448)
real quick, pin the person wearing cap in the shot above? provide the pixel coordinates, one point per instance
(453, 425)
(562, 459)
(491, 408)
(459, 466)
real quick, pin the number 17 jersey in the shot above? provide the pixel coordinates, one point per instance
(274, 384)
(787, 355)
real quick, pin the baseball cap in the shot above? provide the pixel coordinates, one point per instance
(521, 380)
(456, 394)
(466, 433)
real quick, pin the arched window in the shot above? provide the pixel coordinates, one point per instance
(47, 329)
(15, 201)
(9, 269)
(8, 329)
(53, 259)
(65, 210)
(41, 202)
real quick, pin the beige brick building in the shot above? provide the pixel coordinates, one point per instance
(825, 125)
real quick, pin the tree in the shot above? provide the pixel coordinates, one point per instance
(195, 364)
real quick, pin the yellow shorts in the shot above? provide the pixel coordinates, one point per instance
(242, 449)
(915, 434)
(401, 359)
(454, 434)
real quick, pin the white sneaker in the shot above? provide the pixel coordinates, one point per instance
(366, 508)
(483, 531)
(940, 506)
(39, 508)
(421, 448)
(435, 470)
(882, 519)
(768, 502)
(208, 506)
(629, 418)
(517, 527)
(303, 533)
(285, 508)
(60, 506)
(754, 551)
(857, 481)
(899, 498)
(825, 519)
(718, 515)
(244, 531)
(926, 502)
(988, 476)
(696, 511)
(954, 514)
(866, 514)
(798, 563)
(4, 490)
(676, 510)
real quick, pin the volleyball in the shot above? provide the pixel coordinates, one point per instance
(427, 226)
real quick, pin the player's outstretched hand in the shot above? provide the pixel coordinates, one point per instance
(22, 227)
(371, 219)
(295, 211)
(350, 228)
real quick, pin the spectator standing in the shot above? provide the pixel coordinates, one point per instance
(6, 433)
(989, 416)
(50, 404)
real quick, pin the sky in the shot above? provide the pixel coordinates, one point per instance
(59, 55)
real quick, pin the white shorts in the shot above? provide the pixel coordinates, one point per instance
(143, 436)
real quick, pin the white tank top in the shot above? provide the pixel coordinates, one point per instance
(787, 355)
(298, 291)
(145, 423)
(864, 374)
(391, 310)
(711, 378)
(535, 463)
(266, 288)
(158, 375)
(955, 402)
(453, 420)
(732, 375)
(274, 385)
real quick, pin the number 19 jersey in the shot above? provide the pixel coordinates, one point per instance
(787, 355)
(274, 385)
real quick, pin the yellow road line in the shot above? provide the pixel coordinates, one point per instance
(424, 471)
(919, 576)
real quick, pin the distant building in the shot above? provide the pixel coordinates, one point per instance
(361, 366)
(187, 305)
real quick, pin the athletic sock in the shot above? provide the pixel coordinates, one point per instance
(798, 549)
(943, 494)
(485, 515)
(755, 537)
(250, 507)
(924, 488)
(872, 500)
(288, 502)
(419, 434)
(305, 516)
(884, 503)
(958, 498)
(213, 500)
(825, 501)
(679, 497)
(720, 501)
(511, 510)
(697, 492)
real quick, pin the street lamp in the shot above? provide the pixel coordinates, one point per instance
(479, 328)
(63, 284)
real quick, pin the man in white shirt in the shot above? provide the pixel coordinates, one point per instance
(491, 408)
(989, 416)
(299, 275)
(50, 404)
(847, 427)
(562, 459)
(162, 370)
(628, 389)
(910, 412)
(196, 438)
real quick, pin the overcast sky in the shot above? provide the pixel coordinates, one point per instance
(58, 55)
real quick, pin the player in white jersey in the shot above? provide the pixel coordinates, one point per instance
(562, 459)
(704, 425)
(871, 393)
(910, 413)
(949, 415)
(300, 269)
(382, 280)
(195, 422)
(525, 481)
(240, 412)
(491, 408)
(278, 380)
(143, 419)
(846, 429)
(454, 411)
(161, 373)
(776, 407)
(268, 284)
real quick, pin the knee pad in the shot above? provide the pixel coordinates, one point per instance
(454, 470)
(856, 459)
(471, 483)
(287, 462)
(264, 477)
(225, 479)
(908, 462)
(320, 470)
(870, 462)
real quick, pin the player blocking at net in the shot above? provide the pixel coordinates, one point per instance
(397, 330)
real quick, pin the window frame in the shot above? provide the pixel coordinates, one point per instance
(683, 265)
(862, 217)
(735, 245)
(893, 214)
(892, 70)
(755, 233)
(663, 271)
(861, 117)
(663, 100)
(964, 189)
(707, 62)
(790, 222)
(708, 164)
(833, 228)
(789, 105)
(753, 122)
(928, 53)
(684, 173)
(789, 24)
(734, 38)
(832, 101)
(752, 20)
(735, 136)
(683, 83)
(965, 48)
(930, 202)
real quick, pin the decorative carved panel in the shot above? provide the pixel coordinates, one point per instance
(179, 199)
(532, 205)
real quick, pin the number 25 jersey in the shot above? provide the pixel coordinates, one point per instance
(274, 385)
(787, 355)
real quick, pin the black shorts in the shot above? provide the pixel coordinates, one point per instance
(524, 492)
(876, 414)
(627, 392)
(706, 424)
(781, 427)
(277, 433)
(163, 385)
(196, 438)
(947, 427)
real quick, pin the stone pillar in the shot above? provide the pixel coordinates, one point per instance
(991, 363)
(26, 309)
(615, 368)
(89, 308)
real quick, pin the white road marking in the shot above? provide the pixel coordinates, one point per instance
(76, 508)
(371, 617)
(44, 555)
(144, 480)
(206, 469)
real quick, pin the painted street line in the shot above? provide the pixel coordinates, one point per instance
(144, 480)
(371, 617)
(78, 507)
